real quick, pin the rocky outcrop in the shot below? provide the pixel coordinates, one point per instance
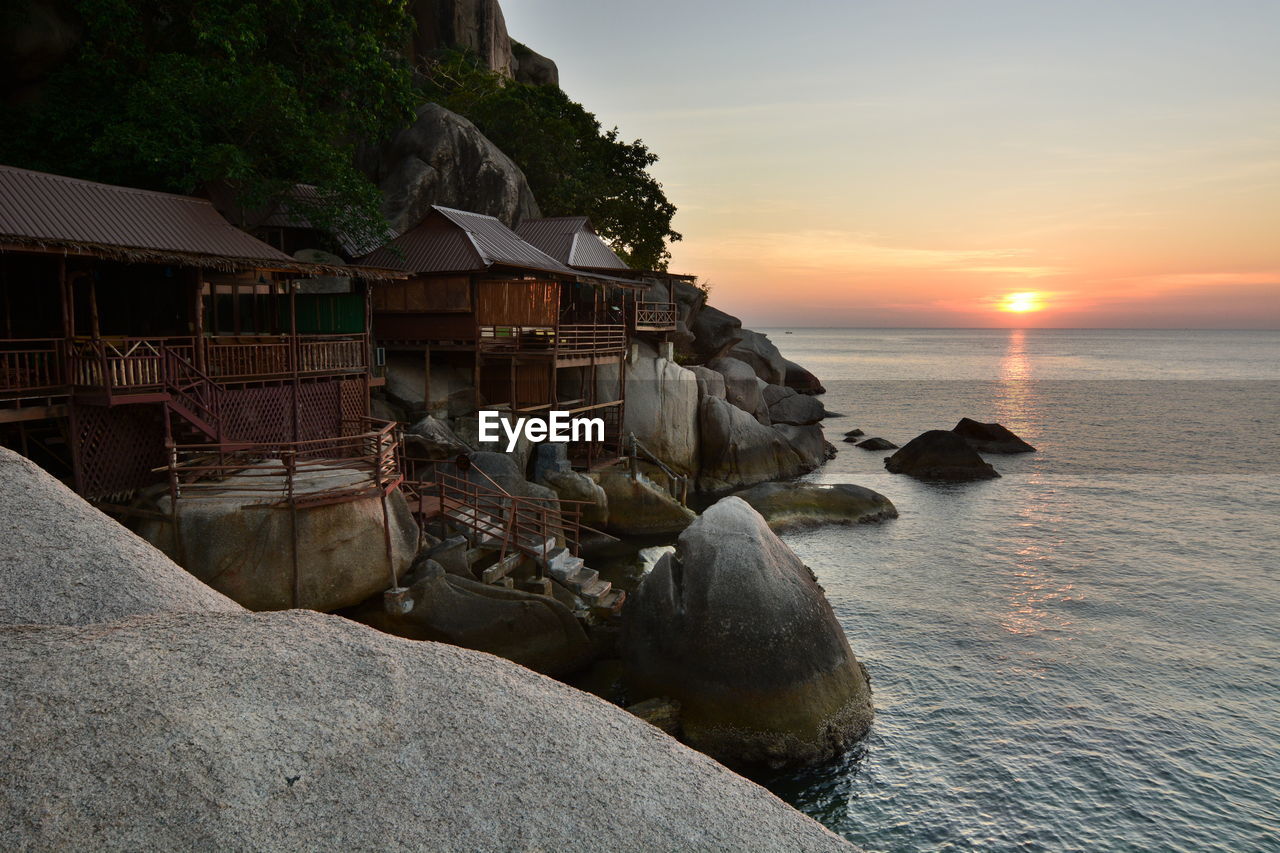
(790, 505)
(430, 438)
(477, 26)
(738, 450)
(592, 500)
(736, 629)
(789, 406)
(758, 351)
(742, 387)
(715, 332)
(444, 159)
(532, 630)
(710, 383)
(245, 551)
(808, 444)
(640, 507)
(662, 407)
(533, 68)
(311, 732)
(876, 443)
(62, 562)
(990, 438)
(939, 454)
(802, 380)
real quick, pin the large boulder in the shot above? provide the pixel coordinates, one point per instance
(243, 546)
(468, 429)
(714, 332)
(475, 26)
(310, 732)
(790, 505)
(430, 438)
(758, 351)
(662, 408)
(444, 159)
(710, 383)
(736, 629)
(640, 507)
(741, 386)
(939, 454)
(62, 562)
(738, 450)
(808, 443)
(591, 499)
(532, 630)
(990, 438)
(789, 406)
(802, 380)
(533, 68)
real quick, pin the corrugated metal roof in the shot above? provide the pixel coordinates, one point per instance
(571, 240)
(451, 240)
(39, 208)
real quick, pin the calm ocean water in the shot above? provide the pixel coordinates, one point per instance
(1084, 654)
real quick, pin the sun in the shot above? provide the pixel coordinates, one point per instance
(1021, 303)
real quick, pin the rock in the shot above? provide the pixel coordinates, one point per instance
(789, 505)
(450, 554)
(531, 630)
(758, 351)
(802, 380)
(808, 444)
(432, 439)
(246, 552)
(714, 332)
(662, 408)
(710, 383)
(789, 406)
(452, 392)
(663, 713)
(877, 443)
(990, 438)
(741, 385)
(854, 433)
(62, 562)
(737, 450)
(468, 429)
(532, 67)
(690, 300)
(475, 26)
(550, 457)
(736, 629)
(592, 501)
(310, 732)
(939, 454)
(641, 507)
(444, 159)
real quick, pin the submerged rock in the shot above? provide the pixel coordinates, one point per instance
(736, 629)
(531, 630)
(62, 562)
(990, 438)
(939, 454)
(304, 731)
(790, 505)
(854, 433)
(877, 443)
(802, 380)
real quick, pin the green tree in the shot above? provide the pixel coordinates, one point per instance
(574, 166)
(257, 96)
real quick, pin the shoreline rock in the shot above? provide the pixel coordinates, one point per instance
(939, 455)
(786, 506)
(990, 438)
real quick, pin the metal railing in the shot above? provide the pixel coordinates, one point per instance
(677, 484)
(31, 364)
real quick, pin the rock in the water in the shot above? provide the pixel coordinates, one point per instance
(790, 505)
(802, 380)
(62, 562)
(990, 438)
(311, 732)
(792, 407)
(758, 351)
(444, 159)
(738, 450)
(854, 433)
(808, 444)
(532, 630)
(641, 507)
(247, 553)
(662, 408)
(737, 630)
(877, 443)
(939, 454)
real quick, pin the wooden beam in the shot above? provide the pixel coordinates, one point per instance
(32, 413)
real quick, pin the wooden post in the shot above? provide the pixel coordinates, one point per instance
(95, 332)
(293, 360)
(197, 319)
(426, 378)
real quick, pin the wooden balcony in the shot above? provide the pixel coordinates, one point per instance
(31, 367)
(565, 342)
(654, 317)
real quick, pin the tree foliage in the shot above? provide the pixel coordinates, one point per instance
(257, 96)
(574, 166)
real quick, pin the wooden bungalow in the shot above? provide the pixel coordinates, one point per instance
(133, 322)
(650, 306)
(536, 333)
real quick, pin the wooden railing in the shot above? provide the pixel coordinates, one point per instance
(591, 338)
(31, 364)
(517, 338)
(124, 364)
(655, 316)
(569, 339)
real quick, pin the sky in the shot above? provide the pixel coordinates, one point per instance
(939, 162)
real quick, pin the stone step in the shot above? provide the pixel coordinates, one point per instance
(611, 602)
(594, 591)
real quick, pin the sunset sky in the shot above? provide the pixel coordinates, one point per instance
(917, 162)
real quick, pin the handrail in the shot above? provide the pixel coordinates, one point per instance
(678, 483)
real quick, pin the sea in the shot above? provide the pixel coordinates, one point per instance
(1085, 653)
